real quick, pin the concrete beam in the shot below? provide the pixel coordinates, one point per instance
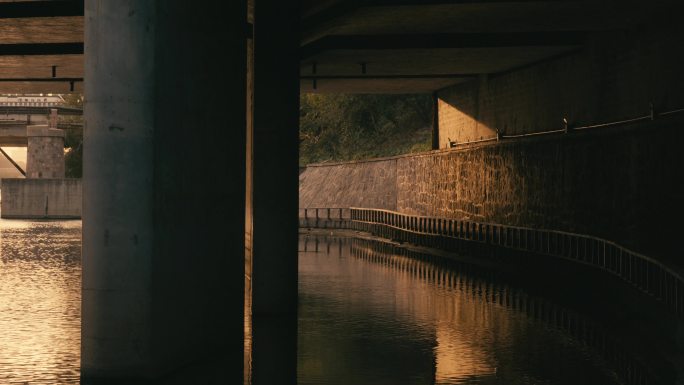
(31, 49)
(338, 9)
(71, 82)
(442, 41)
(388, 77)
(25, 9)
(318, 20)
(377, 86)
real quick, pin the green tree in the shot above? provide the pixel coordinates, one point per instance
(73, 141)
(349, 127)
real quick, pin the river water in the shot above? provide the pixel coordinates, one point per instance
(368, 314)
(372, 313)
(40, 302)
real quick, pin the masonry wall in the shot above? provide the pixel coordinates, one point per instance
(355, 184)
(41, 198)
(621, 184)
(614, 76)
(45, 152)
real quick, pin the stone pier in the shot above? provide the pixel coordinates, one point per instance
(44, 193)
(45, 152)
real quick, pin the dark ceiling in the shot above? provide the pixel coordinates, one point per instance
(391, 46)
(353, 46)
(41, 46)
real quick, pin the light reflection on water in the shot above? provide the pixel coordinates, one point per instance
(40, 301)
(365, 317)
(368, 317)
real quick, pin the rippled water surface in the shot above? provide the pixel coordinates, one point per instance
(374, 317)
(40, 302)
(368, 314)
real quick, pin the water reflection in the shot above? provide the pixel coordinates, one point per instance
(373, 314)
(40, 307)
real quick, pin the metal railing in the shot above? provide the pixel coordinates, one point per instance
(479, 282)
(653, 115)
(325, 217)
(646, 274)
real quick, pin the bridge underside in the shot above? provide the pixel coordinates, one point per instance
(173, 223)
(410, 46)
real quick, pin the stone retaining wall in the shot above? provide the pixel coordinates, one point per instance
(355, 184)
(620, 184)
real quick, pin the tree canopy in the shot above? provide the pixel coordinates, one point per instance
(350, 127)
(73, 141)
(332, 128)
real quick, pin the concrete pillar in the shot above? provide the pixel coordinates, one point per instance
(275, 189)
(45, 152)
(275, 157)
(163, 232)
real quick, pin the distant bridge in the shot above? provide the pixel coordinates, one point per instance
(14, 134)
(38, 110)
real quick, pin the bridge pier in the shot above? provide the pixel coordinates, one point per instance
(163, 234)
(275, 192)
(45, 152)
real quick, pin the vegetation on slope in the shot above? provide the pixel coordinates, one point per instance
(351, 127)
(332, 128)
(73, 141)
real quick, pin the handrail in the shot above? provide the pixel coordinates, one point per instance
(500, 136)
(647, 274)
(527, 229)
(327, 213)
(514, 136)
